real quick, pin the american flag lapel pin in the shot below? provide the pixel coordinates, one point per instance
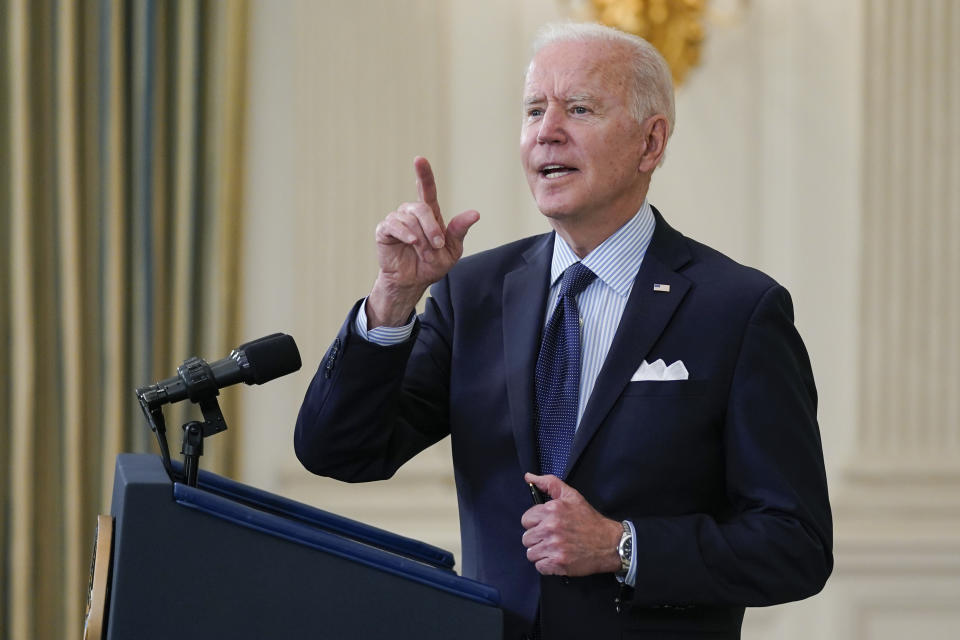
(663, 288)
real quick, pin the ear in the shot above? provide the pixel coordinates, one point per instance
(655, 143)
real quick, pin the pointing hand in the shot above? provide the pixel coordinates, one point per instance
(415, 248)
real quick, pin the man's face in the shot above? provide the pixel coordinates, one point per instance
(580, 144)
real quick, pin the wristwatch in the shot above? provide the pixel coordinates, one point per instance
(625, 551)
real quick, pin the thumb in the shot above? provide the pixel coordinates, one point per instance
(551, 484)
(457, 227)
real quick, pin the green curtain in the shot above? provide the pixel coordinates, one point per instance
(120, 193)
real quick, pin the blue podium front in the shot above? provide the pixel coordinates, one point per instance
(225, 560)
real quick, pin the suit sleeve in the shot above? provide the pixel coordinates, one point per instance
(370, 408)
(775, 544)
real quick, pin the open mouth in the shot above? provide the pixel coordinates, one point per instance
(554, 171)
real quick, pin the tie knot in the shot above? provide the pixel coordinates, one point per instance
(575, 279)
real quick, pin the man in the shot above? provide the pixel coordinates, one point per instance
(676, 496)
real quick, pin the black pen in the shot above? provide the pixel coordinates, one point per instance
(537, 496)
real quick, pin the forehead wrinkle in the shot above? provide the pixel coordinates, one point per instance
(599, 68)
(577, 97)
(576, 85)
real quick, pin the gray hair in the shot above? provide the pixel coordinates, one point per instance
(652, 82)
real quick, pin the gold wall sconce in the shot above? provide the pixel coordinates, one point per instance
(675, 27)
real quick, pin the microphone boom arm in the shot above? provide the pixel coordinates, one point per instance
(154, 416)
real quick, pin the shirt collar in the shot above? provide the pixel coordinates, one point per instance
(617, 259)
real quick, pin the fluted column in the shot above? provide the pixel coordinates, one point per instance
(901, 495)
(910, 342)
(369, 97)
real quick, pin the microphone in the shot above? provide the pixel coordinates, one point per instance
(254, 362)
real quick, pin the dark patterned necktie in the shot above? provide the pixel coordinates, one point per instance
(558, 374)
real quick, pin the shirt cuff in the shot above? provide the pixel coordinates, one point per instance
(631, 579)
(383, 336)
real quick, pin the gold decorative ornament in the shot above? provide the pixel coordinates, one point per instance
(674, 27)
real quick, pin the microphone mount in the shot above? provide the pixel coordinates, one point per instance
(198, 379)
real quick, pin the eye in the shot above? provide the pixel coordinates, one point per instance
(580, 110)
(534, 112)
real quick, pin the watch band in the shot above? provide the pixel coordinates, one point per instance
(625, 550)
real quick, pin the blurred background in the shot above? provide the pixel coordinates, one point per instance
(179, 177)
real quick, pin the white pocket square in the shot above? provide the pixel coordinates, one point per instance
(659, 371)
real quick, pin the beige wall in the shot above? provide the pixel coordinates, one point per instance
(768, 164)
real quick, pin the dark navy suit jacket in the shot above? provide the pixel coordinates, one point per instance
(722, 474)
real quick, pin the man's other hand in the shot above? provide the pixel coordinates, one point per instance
(415, 248)
(566, 536)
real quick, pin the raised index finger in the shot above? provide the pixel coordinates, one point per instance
(427, 186)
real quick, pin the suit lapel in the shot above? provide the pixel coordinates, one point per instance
(524, 296)
(645, 317)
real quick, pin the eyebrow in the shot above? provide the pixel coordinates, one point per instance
(537, 98)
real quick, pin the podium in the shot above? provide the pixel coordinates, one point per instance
(225, 560)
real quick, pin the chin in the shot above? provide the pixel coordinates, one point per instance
(555, 215)
(557, 201)
(554, 208)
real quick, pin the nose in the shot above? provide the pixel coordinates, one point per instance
(551, 127)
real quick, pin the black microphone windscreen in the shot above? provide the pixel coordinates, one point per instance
(271, 357)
